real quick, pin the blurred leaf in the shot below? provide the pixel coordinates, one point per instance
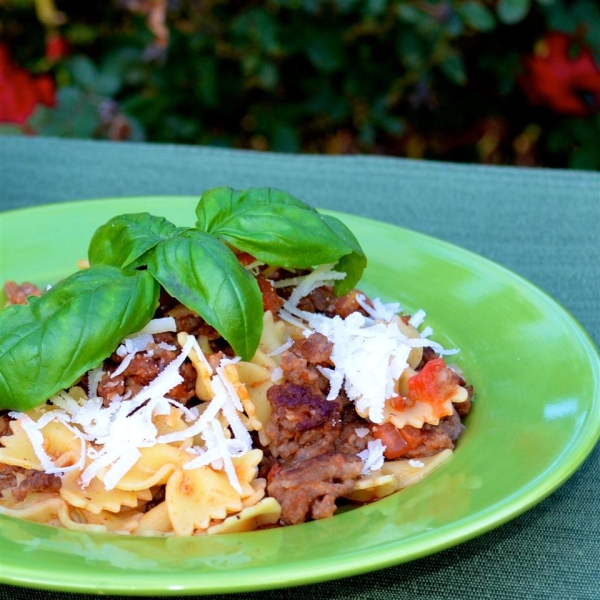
(125, 64)
(477, 16)
(81, 33)
(408, 13)
(375, 7)
(392, 125)
(325, 50)
(74, 116)
(581, 16)
(107, 84)
(83, 71)
(345, 6)
(311, 6)
(453, 67)
(512, 11)
(268, 75)
(206, 83)
(260, 25)
(366, 134)
(285, 139)
(453, 25)
(411, 49)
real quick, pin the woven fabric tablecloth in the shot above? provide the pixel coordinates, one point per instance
(543, 224)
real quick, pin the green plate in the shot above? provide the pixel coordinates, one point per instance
(536, 417)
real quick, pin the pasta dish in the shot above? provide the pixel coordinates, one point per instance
(187, 411)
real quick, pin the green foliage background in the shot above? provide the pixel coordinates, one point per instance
(432, 79)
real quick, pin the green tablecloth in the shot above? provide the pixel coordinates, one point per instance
(543, 224)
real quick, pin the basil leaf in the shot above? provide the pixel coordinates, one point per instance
(204, 275)
(124, 239)
(353, 263)
(50, 343)
(277, 228)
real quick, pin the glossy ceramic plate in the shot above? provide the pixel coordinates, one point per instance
(536, 417)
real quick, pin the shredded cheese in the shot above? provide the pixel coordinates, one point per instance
(372, 457)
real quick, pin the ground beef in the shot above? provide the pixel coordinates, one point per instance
(4, 424)
(299, 363)
(157, 498)
(302, 424)
(271, 300)
(31, 481)
(298, 371)
(8, 477)
(320, 300)
(348, 304)
(349, 442)
(36, 481)
(143, 369)
(434, 439)
(428, 354)
(316, 349)
(452, 426)
(189, 321)
(324, 301)
(310, 489)
(18, 294)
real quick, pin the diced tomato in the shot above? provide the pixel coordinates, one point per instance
(400, 403)
(271, 301)
(412, 436)
(245, 259)
(397, 442)
(434, 384)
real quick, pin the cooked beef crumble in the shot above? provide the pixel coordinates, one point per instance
(22, 482)
(310, 489)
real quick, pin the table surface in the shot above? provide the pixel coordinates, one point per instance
(542, 224)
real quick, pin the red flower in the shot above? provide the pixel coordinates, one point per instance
(566, 83)
(20, 91)
(56, 47)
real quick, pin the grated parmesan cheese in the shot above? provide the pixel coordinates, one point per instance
(320, 276)
(417, 319)
(372, 457)
(163, 325)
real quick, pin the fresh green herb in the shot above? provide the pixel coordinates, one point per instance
(278, 229)
(205, 275)
(53, 341)
(352, 263)
(125, 239)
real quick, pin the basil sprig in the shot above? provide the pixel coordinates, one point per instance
(205, 275)
(280, 230)
(50, 343)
